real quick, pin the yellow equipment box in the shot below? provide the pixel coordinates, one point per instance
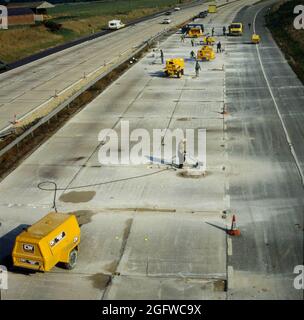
(206, 53)
(210, 40)
(195, 32)
(255, 38)
(212, 8)
(175, 67)
(54, 238)
(236, 29)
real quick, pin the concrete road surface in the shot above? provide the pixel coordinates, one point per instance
(26, 88)
(265, 186)
(150, 231)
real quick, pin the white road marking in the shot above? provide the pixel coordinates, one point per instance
(227, 200)
(276, 105)
(265, 237)
(227, 186)
(229, 246)
(230, 279)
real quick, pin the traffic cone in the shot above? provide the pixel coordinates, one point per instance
(225, 112)
(15, 121)
(234, 231)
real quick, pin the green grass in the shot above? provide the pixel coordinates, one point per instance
(109, 7)
(291, 41)
(67, 34)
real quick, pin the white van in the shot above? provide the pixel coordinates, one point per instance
(115, 24)
(167, 21)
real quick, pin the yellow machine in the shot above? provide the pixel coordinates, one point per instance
(255, 38)
(195, 32)
(206, 53)
(209, 40)
(212, 8)
(236, 29)
(54, 238)
(175, 67)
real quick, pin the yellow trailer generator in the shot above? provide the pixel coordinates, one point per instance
(255, 38)
(195, 32)
(175, 67)
(206, 53)
(212, 8)
(53, 239)
(235, 29)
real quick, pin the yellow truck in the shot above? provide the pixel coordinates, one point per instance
(235, 29)
(53, 239)
(206, 53)
(212, 8)
(175, 67)
(195, 32)
(255, 38)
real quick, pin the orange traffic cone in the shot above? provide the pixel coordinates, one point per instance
(225, 112)
(234, 231)
(15, 121)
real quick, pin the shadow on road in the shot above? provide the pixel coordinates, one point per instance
(6, 244)
(218, 227)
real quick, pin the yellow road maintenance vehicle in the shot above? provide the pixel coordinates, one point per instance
(195, 32)
(175, 67)
(53, 239)
(255, 38)
(206, 53)
(209, 40)
(212, 8)
(235, 29)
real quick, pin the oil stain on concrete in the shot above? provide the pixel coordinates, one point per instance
(83, 216)
(77, 196)
(100, 280)
(185, 174)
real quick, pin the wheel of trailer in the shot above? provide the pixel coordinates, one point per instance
(72, 260)
(178, 74)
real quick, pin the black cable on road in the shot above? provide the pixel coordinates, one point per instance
(54, 189)
(40, 184)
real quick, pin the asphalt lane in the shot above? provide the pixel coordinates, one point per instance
(265, 185)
